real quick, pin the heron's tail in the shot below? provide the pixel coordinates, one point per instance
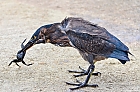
(122, 56)
(130, 53)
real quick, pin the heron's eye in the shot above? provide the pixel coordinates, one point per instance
(33, 38)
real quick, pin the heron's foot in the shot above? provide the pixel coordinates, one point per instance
(81, 85)
(83, 72)
(16, 62)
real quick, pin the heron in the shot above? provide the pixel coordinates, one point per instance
(93, 42)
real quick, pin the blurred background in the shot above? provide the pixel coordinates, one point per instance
(19, 20)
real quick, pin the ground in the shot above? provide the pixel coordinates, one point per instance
(19, 19)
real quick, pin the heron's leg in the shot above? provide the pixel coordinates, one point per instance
(84, 72)
(84, 84)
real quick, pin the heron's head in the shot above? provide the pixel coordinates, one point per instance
(51, 33)
(40, 36)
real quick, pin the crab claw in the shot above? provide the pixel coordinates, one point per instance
(20, 57)
(38, 37)
(16, 62)
(22, 45)
(21, 54)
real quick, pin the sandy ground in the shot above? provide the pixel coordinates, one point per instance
(19, 19)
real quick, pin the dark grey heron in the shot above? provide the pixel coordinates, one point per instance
(93, 42)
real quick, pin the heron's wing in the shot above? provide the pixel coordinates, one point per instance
(79, 25)
(82, 26)
(91, 38)
(90, 44)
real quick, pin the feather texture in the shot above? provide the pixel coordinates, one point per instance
(90, 38)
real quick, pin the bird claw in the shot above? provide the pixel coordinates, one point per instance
(87, 72)
(81, 85)
(96, 74)
(83, 72)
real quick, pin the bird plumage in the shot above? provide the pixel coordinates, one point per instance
(93, 42)
(38, 30)
(90, 38)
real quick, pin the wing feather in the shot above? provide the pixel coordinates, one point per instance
(79, 25)
(90, 44)
(90, 38)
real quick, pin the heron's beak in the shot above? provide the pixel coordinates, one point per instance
(40, 41)
(28, 45)
(21, 53)
(37, 38)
